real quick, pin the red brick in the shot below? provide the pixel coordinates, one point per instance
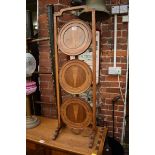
(45, 2)
(125, 26)
(46, 92)
(106, 65)
(106, 112)
(102, 78)
(118, 53)
(43, 84)
(109, 118)
(112, 90)
(104, 40)
(102, 90)
(110, 106)
(124, 1)
(119, 19)
(119, 113)
(58, 7)
(45, 77)
(122, 65)
(118, 59)
(104, 72)
(106, 33)
(120, 102)
(43, 33)
(108, 101)
(119, 46)
(121, 53)
(44, 49)
(110, 95)
(119, 129)
(105, 27)
(43, 18)
(124, 33)
(119, 119)
(46, 63)
(106, 59)
(44, 55)
(122, 84)
(119, 26)
(43, 25)
(119, 33)
(107, 53)
(123, 59)
(109, 84)
(42, 10)
(124, 47)
(118, 124)
(121, 108)
(121, 40)
(45, 99)
(44, 69)
(111, 78)
(108, 21)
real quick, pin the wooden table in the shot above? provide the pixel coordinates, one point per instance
(39, 140)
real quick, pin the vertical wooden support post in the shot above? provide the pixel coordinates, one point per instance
(57, 70)
(94, 66)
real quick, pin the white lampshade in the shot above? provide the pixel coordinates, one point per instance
(30, 64)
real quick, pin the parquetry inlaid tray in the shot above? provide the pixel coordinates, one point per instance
(75, 76)
(76, 113)
(74, 37)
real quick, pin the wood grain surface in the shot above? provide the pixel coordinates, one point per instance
(66, 141)
(74, 37)
(75, 76)
(76, 113)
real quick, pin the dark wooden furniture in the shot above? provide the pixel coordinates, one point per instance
(39, 141)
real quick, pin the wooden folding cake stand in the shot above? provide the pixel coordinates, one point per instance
(75, 76)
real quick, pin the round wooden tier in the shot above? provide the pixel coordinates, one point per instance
(74, 37)
(75, 76)
(76, 113)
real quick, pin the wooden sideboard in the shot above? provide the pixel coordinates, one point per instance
(39, 140)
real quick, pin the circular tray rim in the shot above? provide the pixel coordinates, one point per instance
(87, 83)
(86, 106)
(82, 48)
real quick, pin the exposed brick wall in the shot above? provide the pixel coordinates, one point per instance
(49, 108)
(109, 86)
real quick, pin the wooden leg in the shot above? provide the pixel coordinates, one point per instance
(55, 135)
(92, 138)
(99, 139)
